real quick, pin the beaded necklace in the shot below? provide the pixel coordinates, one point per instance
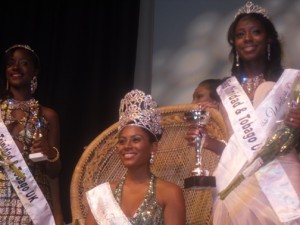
(143, 210)
(252, 83)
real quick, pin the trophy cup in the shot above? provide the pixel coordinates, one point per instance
(199, 178)
(37, 157)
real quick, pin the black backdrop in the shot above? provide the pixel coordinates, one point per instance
(87, 52)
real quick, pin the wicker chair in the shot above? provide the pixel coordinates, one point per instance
(173, 162)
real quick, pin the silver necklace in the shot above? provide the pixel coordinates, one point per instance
(252, 83)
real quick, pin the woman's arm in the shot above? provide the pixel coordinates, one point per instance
(50, 145)
(174, 210)
(293, 118)
(45, 145)
(211, 144)
(56, 206)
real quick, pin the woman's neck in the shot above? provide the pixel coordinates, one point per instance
(138, 176)
(21, 95)
(254, 69)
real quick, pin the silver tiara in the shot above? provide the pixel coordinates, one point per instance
(139, 109)
(249, 7)
(27, 47)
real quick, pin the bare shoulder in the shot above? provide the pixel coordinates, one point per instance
(167, 190)
(50, 114)
(164, 184)
(170, 197)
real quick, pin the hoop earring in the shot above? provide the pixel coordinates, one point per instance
(237, 60)
(269, 52)
(33, 85)
(152, 158)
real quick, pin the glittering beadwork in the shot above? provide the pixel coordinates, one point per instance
(22, 119)
(141, 110)
(251, 84)
(149, 212)
(30, 120)
(249, 7)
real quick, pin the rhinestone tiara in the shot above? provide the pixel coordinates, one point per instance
(27, 47)
(249, 7)
(139, 109)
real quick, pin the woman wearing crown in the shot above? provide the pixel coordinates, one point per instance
(26, 127)
(258, 178)
(139, 197)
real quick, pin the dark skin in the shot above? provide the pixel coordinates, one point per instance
(250, 43)
(202, 94)
(20, 70)
(135, 148)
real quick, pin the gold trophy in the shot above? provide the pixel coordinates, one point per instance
(37, 157)
(199, 178)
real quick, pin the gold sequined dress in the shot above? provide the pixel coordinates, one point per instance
(23, 120)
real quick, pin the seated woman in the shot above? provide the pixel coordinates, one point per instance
(139, 197)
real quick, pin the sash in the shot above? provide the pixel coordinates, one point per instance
(26, 188)
(104, 206)
(251, 128)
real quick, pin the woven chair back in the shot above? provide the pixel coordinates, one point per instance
(174, 162)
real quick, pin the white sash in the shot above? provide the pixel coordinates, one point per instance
(251, 128)
(27, 189)
(104, 206)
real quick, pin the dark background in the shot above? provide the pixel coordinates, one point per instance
(87, 51)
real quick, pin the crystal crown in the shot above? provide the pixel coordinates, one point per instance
(139, 109)
(249, 7)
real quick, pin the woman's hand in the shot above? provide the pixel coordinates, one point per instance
(192, 134)
(211, 144)
(208, 104)
(293, 118)
(42, 145)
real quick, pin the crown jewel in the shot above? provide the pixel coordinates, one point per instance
(139, 109)
(27, 47)
(249, 7)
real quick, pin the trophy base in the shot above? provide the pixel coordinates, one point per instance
(199, 182)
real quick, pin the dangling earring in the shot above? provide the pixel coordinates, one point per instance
(269, 52)
(7, 85)
(33, 85)
(237, 63)
(152, 158)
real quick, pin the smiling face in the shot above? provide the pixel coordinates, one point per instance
(135, 147)
(250, 40)
(20, 69)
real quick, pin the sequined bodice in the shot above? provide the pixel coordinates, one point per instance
(149, 212)
(23, 120)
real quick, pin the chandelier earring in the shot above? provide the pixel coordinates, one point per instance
(269, 52)
(237, 60)
(152, 158)
(33, 85)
